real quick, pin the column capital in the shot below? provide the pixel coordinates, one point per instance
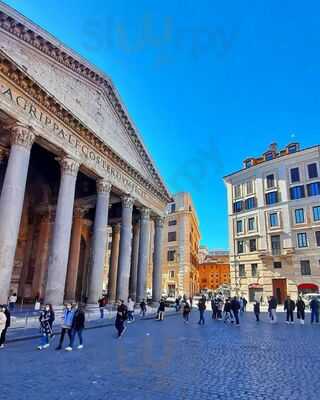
(103, 186)
(22, 135)
(116, 228)
(159, 221)
(145, 213)
(79, 212)
(68, 165)
(127, 201)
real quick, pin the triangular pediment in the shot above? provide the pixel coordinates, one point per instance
(84, 91)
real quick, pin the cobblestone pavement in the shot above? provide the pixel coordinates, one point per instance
(170, 360)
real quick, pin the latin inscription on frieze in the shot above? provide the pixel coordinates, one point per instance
(60, 132)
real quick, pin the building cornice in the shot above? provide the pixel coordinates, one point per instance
(13, 73)
(15, 24)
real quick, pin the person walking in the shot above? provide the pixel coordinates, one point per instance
(77, 327)
(186, 312)
(12, 301)
(202, 308)
(45, 326)
(7, 325)
(289, 306)
(143, 308)
(66, 327)
(245, 302)
(3, 320)
(130, 307)
(190, 302)
(227, 311)
(102, 304)
(121, 317)
(177, 304)
(235, 307)
(314, 307)
(273, 309)
(300, 310)
(161, 310)
(51, 321)
(256, 310)
(214, 308)
(219, 309)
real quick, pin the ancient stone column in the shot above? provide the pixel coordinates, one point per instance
(114, 260)
(41, 254)
(157, 260)
(58, 259)
(74, 255)
(99, 241)
(143, 253)
(3, 165)
(11, 202)
(125, 249)
(134, 261)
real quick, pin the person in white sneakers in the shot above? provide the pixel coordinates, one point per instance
(45, 326)
(130, 306)
(77, 327)
(300, 310)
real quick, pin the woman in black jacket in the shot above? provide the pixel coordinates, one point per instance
(4, 332)
(77, 327)
(300, 309)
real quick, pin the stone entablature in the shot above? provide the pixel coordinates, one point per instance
(14, 24)
(24, 100)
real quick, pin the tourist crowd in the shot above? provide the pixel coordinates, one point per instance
(223, 308)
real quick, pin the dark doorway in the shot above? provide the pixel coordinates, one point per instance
(279, 289)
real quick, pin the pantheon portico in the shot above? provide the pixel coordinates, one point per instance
(72, 165)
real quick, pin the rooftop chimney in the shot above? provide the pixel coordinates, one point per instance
(273, 147)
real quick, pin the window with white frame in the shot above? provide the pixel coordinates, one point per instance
(270, 181)
(302, 239)
(274, 220)
(249, 187)
(299, 215)
(239, 225)
(251, 224)
(316, 213)
(305, 267)
(237, 191)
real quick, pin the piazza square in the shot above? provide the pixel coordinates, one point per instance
(159, 202)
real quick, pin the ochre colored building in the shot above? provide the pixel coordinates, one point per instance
(180, 248)
(214, 271)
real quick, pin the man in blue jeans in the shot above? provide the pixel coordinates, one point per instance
(314, 306)
(77, 327)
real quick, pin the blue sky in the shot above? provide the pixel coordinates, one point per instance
(208, 83)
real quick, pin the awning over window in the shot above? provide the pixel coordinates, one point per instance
(255, 286)
(312, 286)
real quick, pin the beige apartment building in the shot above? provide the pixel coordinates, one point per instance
(181, 246)
(274, 223)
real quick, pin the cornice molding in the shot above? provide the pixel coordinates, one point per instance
(20, 78)
(59, 54)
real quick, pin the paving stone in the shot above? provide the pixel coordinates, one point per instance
(176, 361)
